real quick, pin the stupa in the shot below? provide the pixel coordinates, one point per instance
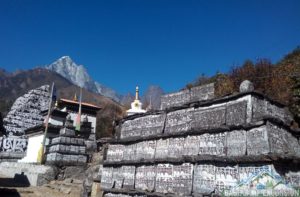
(136, 105)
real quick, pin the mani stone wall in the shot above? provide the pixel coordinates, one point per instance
(26, 111)
(66, 149)
(233, 146)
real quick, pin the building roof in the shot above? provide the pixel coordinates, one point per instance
(72, 102)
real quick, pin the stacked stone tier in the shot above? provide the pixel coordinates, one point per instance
(66, 149)
(263, 143)
(194, 179)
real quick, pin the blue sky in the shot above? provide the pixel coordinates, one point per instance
(166, 43)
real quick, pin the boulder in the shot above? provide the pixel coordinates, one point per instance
(246, 86)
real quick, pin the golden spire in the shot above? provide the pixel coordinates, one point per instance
(137, 93)
(75, 97)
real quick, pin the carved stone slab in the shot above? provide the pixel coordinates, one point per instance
(67, 132)
(293, 179)
(143, 126)
(118, 177)
(66, 159)
(162, 147)
(236, 113)
(52, 157)
(204, 179)
(146, 150)
(183, 177)
(257, 141)
(68, 140)
(293, 144)
(191, 145)
(236, 143)
(209, 118)
(262, 108)
(175, 99)
(212, 144)
(14, 144)
(152, 125)
(258, 109)
(278, 139)
(278, 112)
(82, 159)
(67, 149)
(130, 153)
(145, 178)
(164, 178)
(130, 128)
(115, 152)
(226, 177)
(198, 93)
(107, 178)
(129, 176)
(204, 92)
(175, 148)
(179, 121)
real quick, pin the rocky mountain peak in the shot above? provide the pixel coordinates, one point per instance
(78, 75)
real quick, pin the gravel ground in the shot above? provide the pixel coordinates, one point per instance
(67, 188)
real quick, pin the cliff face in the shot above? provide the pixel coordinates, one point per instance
(25, 112)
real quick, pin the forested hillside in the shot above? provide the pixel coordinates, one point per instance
(279, 81)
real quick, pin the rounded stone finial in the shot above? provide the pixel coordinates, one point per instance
(246, 86)
(68, 122)
(68, 117)
(85, 119)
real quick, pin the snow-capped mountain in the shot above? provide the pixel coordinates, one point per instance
(78, 75)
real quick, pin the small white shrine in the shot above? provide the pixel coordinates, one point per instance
(136, 105)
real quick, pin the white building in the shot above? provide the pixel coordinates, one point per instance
(88, 111)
